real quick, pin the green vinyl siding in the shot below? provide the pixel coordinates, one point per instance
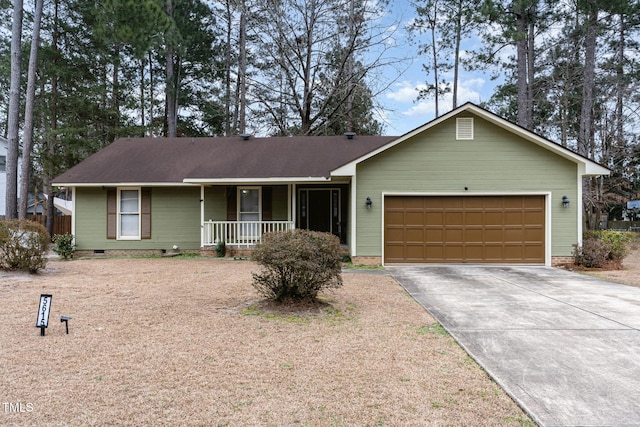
(215, 203)
(280, 206)
(495, 161)
(175, 220)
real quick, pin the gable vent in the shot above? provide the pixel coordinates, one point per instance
(464, 128)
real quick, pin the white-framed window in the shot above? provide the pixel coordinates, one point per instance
(249, 209)
(464, 128)
(128, 213)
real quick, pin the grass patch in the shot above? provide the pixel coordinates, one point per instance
(352, 266)
(321, 308)
(435, 329)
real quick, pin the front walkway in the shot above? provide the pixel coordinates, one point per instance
(565, 346)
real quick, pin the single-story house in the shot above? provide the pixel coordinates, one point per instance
(467, 187)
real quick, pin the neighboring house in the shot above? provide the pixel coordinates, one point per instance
(4, 144)
(468, 186)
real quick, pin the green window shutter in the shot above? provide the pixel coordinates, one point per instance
(112, 213)
(145, 213)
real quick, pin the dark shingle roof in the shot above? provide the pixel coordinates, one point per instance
(171, 160)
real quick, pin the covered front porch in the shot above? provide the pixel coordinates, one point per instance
(240, 215)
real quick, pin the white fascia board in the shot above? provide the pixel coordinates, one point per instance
(254, 180)
(122, 184)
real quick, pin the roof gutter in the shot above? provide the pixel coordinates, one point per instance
(120, 184)
(254, 180)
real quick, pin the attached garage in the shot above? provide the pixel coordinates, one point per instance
(464, 229)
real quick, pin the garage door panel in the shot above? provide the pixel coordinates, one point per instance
(454, 252)
(511, 217)
(434, 235)
(513, 235)
(475, 235)
(395, 235)
(533, 217)
(415, 252)
(494, 217)
(454, 217)
(414, 218)
(434, 252)
(434, 217)
(465, 229)
(472, 252)
(413, 203)
(453, 235)
(474, 218)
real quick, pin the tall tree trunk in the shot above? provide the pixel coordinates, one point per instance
(620, 88)
(531, 60)
(52, 138)
(434, 53)
(151, 97)
(584, 137)
(524, 117)
(585, 140)
(28, 113)
(242, 70)
(170, 89)
(14, 112)
(227, 73)
(456, 54)
(142, 101)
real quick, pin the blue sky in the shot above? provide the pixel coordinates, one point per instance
(401, 111)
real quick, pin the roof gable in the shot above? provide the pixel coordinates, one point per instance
(587, 167)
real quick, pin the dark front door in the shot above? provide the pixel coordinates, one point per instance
(320, 210)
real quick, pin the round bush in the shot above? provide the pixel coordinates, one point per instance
(297, 265)
(23, 245)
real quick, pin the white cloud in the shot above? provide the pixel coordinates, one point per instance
(404, 91)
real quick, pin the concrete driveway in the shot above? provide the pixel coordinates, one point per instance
(565, 346)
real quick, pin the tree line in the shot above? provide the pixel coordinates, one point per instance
(75, 74)
(569, 71)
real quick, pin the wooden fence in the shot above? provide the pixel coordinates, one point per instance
(61, 223)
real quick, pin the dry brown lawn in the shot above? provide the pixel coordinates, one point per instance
(187, 341)
(628, 274)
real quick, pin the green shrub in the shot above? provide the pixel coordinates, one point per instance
(297, 265)
(64, 245)
(619, 242)
(221, 249)
(23, 245)
(593, 253)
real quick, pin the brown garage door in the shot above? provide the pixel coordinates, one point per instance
(470, 229)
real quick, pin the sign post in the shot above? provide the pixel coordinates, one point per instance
(43, 313)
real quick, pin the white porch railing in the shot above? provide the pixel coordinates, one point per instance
(240, 233)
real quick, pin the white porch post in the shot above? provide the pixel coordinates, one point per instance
(579, 205)
(73, 213)
(292, 204)
(352, 210)
(202, 215)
